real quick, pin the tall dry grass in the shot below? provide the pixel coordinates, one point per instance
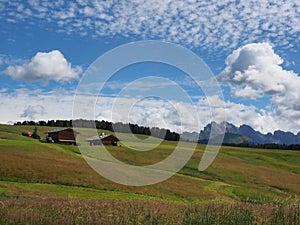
(76, 211)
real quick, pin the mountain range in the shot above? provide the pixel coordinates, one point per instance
(243, 134)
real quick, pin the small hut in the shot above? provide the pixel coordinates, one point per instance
(103, 139)
(62, 136)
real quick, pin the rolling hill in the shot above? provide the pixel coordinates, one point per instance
(40, 178)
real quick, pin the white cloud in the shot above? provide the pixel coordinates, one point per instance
(88, 11)
(256, 64)
(45, 66)
(262, 120)
(58, 104)
(255, 69)
(10, 60)
(209, 24)
(247, 92)
(33, 111)
(23, 104)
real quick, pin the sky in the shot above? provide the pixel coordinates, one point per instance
(251, 47)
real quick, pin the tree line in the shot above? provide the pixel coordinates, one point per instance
(105, 125)
(295, 147)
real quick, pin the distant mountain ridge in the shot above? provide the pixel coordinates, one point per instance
(246, 134)
(243, 134)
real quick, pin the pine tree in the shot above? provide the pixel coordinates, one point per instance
(35, 134)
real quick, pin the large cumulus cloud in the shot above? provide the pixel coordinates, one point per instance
(255, 70)
(45, 66)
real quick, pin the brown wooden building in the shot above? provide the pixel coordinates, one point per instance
(104, 139)
(63, 136)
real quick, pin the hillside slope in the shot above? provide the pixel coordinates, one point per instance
(43, 183)
(32, 170)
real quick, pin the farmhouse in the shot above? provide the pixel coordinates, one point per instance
(103, 139)
(63, 136)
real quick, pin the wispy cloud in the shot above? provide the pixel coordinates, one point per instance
(33, 111)
(211, 25)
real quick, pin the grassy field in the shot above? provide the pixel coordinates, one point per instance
(43, 183)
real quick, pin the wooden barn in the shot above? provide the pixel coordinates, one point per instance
(104, 139)
(62, 136)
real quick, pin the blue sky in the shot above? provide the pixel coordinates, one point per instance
(251, 47)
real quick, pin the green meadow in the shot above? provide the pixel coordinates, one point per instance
(42, 183)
